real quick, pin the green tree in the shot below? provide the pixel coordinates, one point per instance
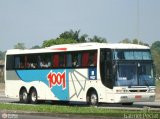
(155, 50)
(134, 41)
(36, 47)
(71, 36)
(2, 55)
(64, 41)
(126, 40)
(98, 39)
(57, 41)
(48, 43)
(75, 35)
(83, 38)
(19, 46)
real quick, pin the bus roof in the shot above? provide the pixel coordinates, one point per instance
(77, 47)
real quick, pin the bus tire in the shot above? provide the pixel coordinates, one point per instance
(23, 96)
(33, 97)
(93, 98)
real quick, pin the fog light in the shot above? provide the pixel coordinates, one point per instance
(152, 97)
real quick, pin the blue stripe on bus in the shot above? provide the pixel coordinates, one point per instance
(59, 87)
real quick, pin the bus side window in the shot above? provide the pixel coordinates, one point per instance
(79, 59)
(76, 59)
(95, 59)
(10, 62)
(120, 55)
(17, 62)
(69, 60)
(92, 59)
(32, 62)
(62, 60)
(85, 58)
(55, 60)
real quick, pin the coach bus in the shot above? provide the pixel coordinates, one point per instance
(87, 72)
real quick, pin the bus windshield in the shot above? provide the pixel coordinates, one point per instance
(132, 55)
(136, 74)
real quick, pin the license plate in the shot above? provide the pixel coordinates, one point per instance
(138, 97)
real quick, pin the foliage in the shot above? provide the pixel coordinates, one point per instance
(98, 39)
(71, 36)
(155, 49)
(2, 55)
(36, 47)
(57, 41)
(74, 35)
(126, 41)
(19, 46)
(134, 41)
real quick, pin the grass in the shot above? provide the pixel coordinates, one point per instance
(75, 110)
(158, 90)
(158, 84)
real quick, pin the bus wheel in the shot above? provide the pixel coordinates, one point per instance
(23, 96)
(33, 96)
(93, 98)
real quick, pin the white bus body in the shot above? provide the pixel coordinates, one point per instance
(119, 73)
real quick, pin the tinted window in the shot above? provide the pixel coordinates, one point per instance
(10, 62)
(132, 55)
(53, 60)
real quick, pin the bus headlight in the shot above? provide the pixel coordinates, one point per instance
(152, 90)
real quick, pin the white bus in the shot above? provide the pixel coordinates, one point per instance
(87, 72)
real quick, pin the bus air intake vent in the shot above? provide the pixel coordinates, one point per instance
(144, 90)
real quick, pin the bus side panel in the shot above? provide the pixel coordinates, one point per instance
(14, 84)
(77, 84)
(80, 82)
(55, 82)
(58, 84)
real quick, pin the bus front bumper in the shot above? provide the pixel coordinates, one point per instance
(128, 98)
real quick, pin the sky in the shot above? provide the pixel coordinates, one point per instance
(33, 21)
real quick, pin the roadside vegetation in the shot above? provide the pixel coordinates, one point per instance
(75, 110)
(158, 90)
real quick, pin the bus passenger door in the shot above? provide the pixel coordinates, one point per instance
(106, 67)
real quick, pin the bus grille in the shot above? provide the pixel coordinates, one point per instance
(144, 90)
